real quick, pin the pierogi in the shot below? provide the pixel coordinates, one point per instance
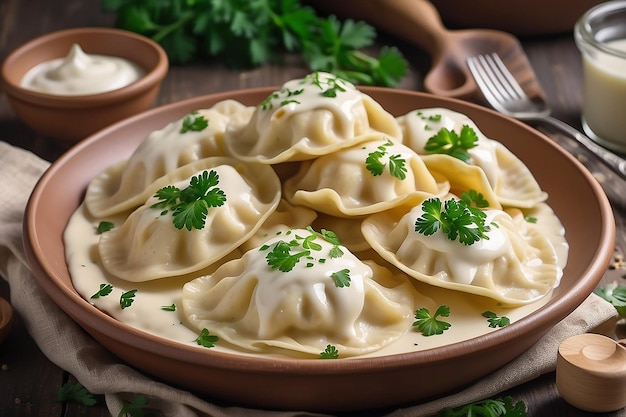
(315, 225)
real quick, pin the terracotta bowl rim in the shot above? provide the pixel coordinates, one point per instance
(153, 76)
(542, 320)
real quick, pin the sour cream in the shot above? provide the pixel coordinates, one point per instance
(80, 73)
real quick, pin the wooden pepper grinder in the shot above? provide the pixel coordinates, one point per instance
(591, 372)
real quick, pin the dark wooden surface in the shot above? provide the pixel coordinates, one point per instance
(28, 381)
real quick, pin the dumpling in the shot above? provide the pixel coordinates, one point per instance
(509, 177)
(195, 136)
(261, 304)
(367, 178)
(150, 245)
(516, 264)
(308, 117)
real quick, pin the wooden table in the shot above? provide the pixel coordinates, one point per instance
(28, 381)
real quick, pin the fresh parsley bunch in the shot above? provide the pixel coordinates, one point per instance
(249, 33)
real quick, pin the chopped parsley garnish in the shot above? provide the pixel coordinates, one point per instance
(171, 307)
(455, 218)
(330, 352)
(194, 122)
(284, 255)
(281, 257)
(499, 407)
(341, 278)
(285, 94)
(190, 205)
(531, 219)
(104, 226)
(495, 320)
(375, 162)
(428, 324)
(127, 298)
(329, 86)
(448, 142)
(206, 339)
(105, 289)
(75, 393)
(614, 294)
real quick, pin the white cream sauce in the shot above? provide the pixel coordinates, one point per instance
(79, 74)
(146, 313)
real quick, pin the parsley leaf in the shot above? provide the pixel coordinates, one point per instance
(194, 122)
(614, 294)
(448, 142)
(134, 408)
(190, 205)
(341, 278)
(251, 33)
(206, 340)
(171, 307)
(105, 289)
(76, 393)
(455, 219)
(104, 226)
(375, 163)
(281, 258)
(487, 408)
(429, 325)
(127, 299)
(330, 352)
(496, 321)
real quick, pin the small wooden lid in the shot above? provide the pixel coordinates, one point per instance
(591, 372)
(6, 318)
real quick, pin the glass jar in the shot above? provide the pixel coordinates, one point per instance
(600, 35)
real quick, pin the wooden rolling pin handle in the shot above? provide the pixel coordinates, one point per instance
(591, 372)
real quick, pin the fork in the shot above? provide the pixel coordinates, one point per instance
(504, 94)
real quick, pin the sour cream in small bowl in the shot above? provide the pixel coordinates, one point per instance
(68, 84)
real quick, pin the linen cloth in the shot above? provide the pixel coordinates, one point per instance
(73, 350)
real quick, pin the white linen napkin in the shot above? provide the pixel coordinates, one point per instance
(73, 350)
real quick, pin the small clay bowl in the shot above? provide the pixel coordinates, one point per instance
(69, 119)
(6, 318)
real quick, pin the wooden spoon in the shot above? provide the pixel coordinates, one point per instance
(591, 372)
(418, 22)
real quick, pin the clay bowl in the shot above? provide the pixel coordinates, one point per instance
(303, 384)
(68, 119)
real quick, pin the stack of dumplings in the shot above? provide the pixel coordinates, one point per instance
(293, 222)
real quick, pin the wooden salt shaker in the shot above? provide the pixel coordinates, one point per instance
(591, 372)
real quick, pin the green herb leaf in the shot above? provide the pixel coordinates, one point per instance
(281, 258)
(341, 278)
(104, 226)
(487, 408)
(330, 352)
(134, 408)
(76, 393)
(190, 206)
(194, 122)
(614, 294)
(429, 325)
(171, 307)
(127, 299)
(252, 33)
(206, 339)
(448, 142)
(496, 321)
(105, 289)
(456, 219)
(375, 163)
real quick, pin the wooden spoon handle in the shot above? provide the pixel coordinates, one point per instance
(416, 21)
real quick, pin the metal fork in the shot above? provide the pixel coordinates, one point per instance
(505, 95)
